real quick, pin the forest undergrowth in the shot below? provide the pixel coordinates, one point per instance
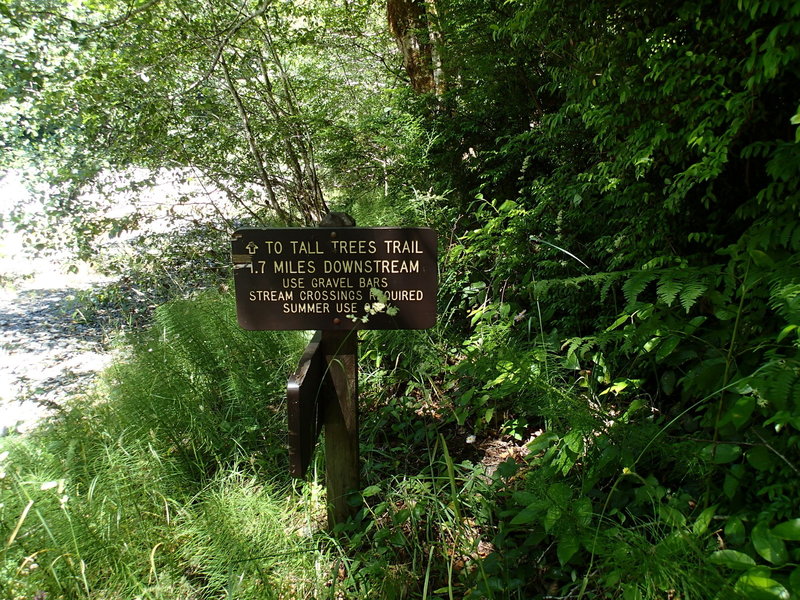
(609, 404)
(488, 473)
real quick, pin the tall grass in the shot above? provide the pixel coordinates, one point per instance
(149, 489)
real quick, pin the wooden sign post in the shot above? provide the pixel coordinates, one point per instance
(337, 280)
(341, 423)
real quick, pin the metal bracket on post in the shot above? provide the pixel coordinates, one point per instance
(306, 396)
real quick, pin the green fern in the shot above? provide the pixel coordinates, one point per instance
(668, 290)
(636, 284)
(690, 293)
(789, 236)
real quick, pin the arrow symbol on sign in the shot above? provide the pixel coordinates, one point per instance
(251, 248)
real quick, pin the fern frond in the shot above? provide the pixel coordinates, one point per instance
(779, 382)
(690, 293)
(660, 262)
(788, 233)
(781, 389)
(636, 284)
(784, 298)
(794, 243)
(604, 281)
(668, 290)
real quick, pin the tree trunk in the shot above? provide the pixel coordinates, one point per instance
(408, 24)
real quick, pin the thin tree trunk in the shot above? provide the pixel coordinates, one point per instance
(303, 179)
(252, 145)
(437, 43)
(315, 204)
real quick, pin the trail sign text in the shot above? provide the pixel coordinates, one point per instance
(335, 278)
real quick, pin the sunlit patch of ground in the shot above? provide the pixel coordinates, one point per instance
(45, 355)
(49, 349)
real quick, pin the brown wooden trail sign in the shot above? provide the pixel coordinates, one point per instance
(337, 280)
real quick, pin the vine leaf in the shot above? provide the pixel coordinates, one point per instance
(733, 559)
(768, 546)
(789, 530)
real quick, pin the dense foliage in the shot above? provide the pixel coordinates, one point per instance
(610, 404)
(636, 223)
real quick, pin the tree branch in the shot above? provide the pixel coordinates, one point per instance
(131, 13)
(251, 143)
(221, 46)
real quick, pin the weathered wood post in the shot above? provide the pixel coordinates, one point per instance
(340, 415)
(338, 279)
(341, 424)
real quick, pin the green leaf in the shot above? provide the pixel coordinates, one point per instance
(732, 559)
(734, 531)
(769, 547)
(666, 348)
(730, 485)
(620, 320)
(671, 515)
(571, 362)
(508, 206)
(542, 442)
(574, 441)
(372, 490)
(583, 511)
(761, 259)
(758, 587)
(668, 380)
(552, 517)
(631, 591)
(789, 530)
(740, 412)
(559, 493)
(617, 387)
(567, 546)
(760, 458)
(704, 520)
(794, 581)
(721, 454)
(785, 331)
(401, 516)
(529, 514)
(652, 343)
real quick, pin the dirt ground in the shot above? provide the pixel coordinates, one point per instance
(46, 353)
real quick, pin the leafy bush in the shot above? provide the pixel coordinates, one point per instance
(629, 232)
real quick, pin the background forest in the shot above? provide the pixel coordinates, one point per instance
(609, 406)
